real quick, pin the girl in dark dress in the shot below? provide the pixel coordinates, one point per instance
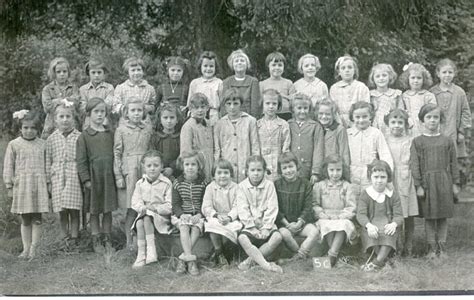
(95, 159)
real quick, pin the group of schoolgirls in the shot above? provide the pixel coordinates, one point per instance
(314, 161)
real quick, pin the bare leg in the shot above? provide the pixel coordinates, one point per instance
(64, 223)
(185, 238)
(140, 230)
(107, 223)
(26, 234)
(195, 233)
(129, 218)
(95, 227)
(252, 251)
(311, 233)
(338, 241)
(272, 243)
(75, 219)
(288, 239)
(216, 240)
(383, 254)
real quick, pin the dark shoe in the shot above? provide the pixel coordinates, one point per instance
(193, 268)
(332, 260)
(181, 267)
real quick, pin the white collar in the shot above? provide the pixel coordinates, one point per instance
(376, 196)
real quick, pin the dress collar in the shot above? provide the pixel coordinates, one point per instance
(90, 86)
(343, 83)
(92, 131)
(388, 93)
(376, 196)
(331, 184)
(140, 125)
(141, 84)
(161, 134)
(428, 134)
(249, 185)
(413, 93)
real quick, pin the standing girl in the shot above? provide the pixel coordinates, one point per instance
(95, 166)
(273, 132)
(399, 143)
(335, 135)
(58, 89)
(434, 168)
(275, 63)
(295, 217)
(349, 90)
(452, 101)
(165, 137)
(208, 84)
(96, 88)
(196, 134)
(334, 206)
(24, 176)
(188, 192)
(258, 209)
(379, 212)
(416, 80)
(235, 134)
(383, 98)
(366, 143)
(131, 141)
(246, 85)
(152, 201)
(307, 138)
(220, 209)
(61, 171)
(175, 91)
(310, 85)
(135, 86)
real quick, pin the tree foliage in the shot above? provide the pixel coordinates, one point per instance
(34, 32)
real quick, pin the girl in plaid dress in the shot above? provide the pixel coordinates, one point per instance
(61, 171)
(383, 98)
(25, 179)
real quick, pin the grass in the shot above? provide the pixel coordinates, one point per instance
(57, 272)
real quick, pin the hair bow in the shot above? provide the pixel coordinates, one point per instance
(67, 103)
(20, 114)
(405, 67)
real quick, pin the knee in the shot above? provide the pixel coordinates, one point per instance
(243, 239)
(276, 237)
(313, 231)
(284, 233)
(26, 220)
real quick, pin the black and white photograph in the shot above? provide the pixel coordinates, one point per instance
(236, 147)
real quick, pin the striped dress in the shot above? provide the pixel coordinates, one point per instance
(61, 170)
(186, 198)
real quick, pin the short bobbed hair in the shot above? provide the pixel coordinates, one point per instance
(342, 59)
(381, 166)
(308, 55)
(361, 105)
(392, 75)
(234, 55)
(54, 63)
